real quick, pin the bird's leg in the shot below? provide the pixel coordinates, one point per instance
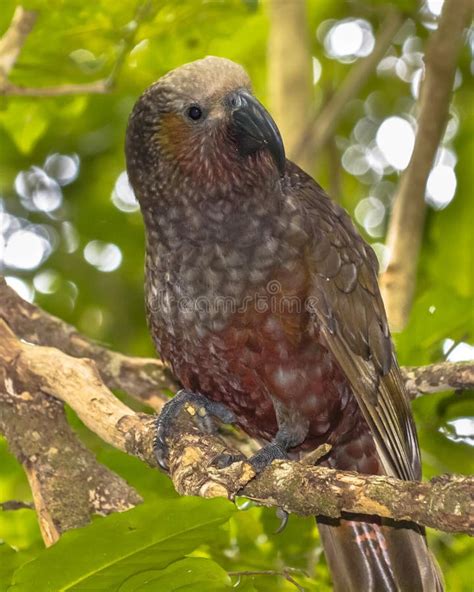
(199, 407)
(276, 449)
(292, 430)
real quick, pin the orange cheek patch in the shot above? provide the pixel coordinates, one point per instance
(175, 137)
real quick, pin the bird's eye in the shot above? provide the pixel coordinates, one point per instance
(194, 113)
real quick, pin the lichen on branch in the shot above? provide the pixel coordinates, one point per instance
(444, 503)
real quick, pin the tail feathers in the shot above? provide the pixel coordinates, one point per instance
(374, 557)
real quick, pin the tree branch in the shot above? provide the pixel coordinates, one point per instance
(97, 87)
(444, 503)
(148, 379)
(435, 378)
(10, 505)
(144, 378)
(12, 41)
(321, 129)
(68, 485)
(405, 231)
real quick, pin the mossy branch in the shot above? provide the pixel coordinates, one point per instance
(444, 503)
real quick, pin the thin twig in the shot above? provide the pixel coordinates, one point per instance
(405, 230)
(315, 455)
(319, 132)
(440, 377)
(16, 505)
(97, 87)
(128, 41)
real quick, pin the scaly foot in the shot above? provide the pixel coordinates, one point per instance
(276, 449)
(199, 407)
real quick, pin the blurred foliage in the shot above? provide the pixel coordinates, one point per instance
(128, 550)
(83, 261)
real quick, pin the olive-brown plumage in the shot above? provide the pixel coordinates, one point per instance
(262, 296)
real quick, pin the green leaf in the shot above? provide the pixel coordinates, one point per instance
(19, 528)
(437, 314)
(439, 453)
(457, 569)
(246, 585)
(9, 561)
(105, 554)
(188, 575)
(25, 123)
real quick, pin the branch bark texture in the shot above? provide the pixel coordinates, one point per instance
(144, 378)
(68, 485)
(439, 377)
(297, 487)
(405, 231)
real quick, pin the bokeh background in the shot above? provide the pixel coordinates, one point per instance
(71, 235)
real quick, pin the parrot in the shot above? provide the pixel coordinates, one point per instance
(263, 298)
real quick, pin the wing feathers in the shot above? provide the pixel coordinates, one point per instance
(349, 313)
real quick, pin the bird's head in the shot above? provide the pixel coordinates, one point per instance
(202, 121)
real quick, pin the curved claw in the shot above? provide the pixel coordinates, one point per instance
(283, 516)
(160, 449)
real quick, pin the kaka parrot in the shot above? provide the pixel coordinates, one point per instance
(263, 298)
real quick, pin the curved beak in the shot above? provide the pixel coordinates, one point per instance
(255, 129)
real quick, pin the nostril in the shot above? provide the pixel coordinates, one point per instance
(235, 100)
